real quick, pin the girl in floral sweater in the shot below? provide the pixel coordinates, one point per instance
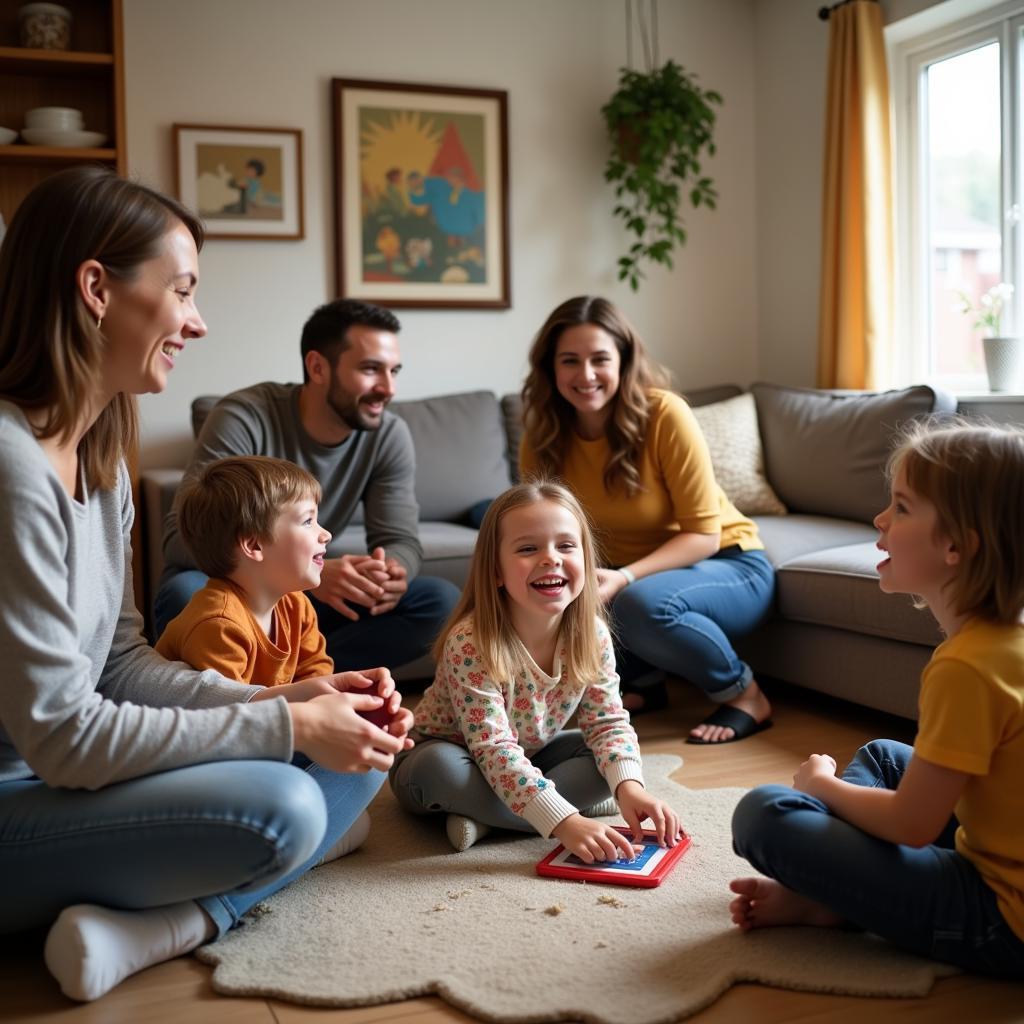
(526, 647)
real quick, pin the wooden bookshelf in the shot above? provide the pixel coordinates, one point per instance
(89, 77)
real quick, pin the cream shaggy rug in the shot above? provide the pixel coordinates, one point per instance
(405, 916)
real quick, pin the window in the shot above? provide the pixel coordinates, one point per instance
(958, 134)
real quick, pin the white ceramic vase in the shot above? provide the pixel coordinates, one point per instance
(1003, 362)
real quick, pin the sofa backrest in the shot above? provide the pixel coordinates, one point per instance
(825, 451)
(461, 450)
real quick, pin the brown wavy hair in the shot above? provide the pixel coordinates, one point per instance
(501, 650)
(548, 419)
(973, 473)
(51, 350)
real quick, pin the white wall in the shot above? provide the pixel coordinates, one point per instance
(264, 62)
(792, 59)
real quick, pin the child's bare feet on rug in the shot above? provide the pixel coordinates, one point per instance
(765, 903)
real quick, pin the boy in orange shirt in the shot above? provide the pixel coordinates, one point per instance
(250, 523)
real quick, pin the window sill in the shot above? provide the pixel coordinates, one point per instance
(981, 397)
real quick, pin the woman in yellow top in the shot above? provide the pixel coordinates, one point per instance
(689, 571)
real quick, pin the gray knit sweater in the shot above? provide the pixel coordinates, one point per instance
(84, 701)
(374, 467)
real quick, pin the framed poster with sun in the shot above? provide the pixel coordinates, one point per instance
(421, 194)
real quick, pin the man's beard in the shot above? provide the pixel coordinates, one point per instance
(349, 410)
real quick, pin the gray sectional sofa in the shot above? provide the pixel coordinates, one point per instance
(824, 452)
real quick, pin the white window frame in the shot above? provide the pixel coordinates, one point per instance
(910, 53)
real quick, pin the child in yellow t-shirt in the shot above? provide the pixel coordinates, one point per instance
(923, 846)
(250, 523)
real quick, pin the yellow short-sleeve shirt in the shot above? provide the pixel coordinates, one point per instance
(679, 493)
(972, 720)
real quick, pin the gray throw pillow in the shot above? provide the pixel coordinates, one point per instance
(825, 451)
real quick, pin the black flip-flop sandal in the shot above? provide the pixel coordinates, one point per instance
(742, 725)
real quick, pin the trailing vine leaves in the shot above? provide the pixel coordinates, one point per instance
(660, 124)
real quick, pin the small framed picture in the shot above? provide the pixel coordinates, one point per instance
(243, 182)
(421, 194)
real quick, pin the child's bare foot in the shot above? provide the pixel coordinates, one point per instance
(764, 903)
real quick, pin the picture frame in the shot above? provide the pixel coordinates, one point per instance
(244, 182)
(421, 194)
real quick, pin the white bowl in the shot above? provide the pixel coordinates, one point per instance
(7, 136)
(48, 137)
(54, 117)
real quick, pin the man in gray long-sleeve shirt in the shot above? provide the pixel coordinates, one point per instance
(372, 608)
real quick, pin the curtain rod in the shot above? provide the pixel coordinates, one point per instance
(824, 12)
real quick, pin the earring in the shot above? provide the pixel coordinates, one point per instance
(99, 322)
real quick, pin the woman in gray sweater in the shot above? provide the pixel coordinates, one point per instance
(144, 807)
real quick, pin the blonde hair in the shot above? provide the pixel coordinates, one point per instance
(51, 349)
(501, 650)
(548, 418)
(235, 499)
(973, 473)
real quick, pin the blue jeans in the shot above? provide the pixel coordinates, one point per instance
(931, 901)
(400, 636)
(226, 835)
(683, 621)
(440, 777)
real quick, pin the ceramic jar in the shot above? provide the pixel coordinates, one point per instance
(45, 26)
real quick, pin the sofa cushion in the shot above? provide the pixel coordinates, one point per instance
(447, 548)
(460, 452)
(838, 587)
(825, 452)
(730, 430)
(795, 535)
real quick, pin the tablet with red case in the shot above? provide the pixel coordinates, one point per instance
(651, 866)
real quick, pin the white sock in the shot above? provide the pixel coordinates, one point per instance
(604, 809)
(463, 832)
(351, 840)
(91, 949)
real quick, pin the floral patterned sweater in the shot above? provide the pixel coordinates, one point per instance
(502, 722)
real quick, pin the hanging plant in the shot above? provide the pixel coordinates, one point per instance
(660, 125)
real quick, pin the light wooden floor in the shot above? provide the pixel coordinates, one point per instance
(805, 723)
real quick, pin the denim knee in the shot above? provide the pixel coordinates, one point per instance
(755, 818)
(436, 597)
(175, 591)
(288, 807)
(633, 613)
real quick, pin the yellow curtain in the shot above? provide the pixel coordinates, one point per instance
(855, 312)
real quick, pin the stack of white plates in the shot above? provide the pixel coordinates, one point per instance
(7, 136)
(55, 137)
(58, 126)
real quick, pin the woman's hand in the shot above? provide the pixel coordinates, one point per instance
(329, 730)
(592, 840)
(609, 583)
(636, 805)
(816, 768)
